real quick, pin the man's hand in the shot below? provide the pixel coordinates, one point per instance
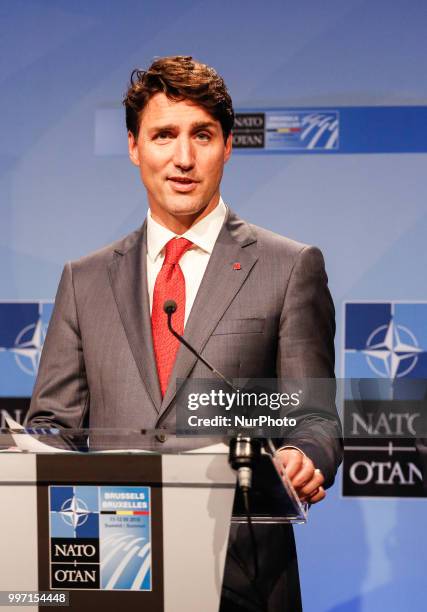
(305, 478)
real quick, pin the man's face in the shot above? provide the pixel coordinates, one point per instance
(181, 153)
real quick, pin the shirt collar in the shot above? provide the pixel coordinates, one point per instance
(203, 234)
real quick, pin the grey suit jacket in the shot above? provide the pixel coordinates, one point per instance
(273, 317)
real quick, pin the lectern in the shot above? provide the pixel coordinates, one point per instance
(127, 530)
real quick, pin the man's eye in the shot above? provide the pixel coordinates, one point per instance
(203, 136)
(163, 135)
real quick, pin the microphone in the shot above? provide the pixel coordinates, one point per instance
(244, 451)
(169, 307)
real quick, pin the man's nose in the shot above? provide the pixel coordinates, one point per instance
(183, 153)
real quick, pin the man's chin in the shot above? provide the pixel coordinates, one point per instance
(187, 207)
(185, 210)
(189, 211)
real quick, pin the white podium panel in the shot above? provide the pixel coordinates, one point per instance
(192, 498)
(18, 518)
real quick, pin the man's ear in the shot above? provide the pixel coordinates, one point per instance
(228, 148)
(133, 149)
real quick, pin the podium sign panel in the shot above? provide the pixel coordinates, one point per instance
(131, 531)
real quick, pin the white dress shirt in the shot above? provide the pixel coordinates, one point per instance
(194, 261)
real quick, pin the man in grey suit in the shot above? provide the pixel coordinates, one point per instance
(253, 303)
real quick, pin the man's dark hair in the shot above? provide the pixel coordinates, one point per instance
(179, 78)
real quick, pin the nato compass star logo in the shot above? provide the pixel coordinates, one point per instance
(392, 351)
(386, 340)
(23, 328)
(28, 347)
(74, 512)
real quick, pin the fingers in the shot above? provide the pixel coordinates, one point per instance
(292, 460)
(321, 494)
(312, 486)
(305, 478)
(312, 491)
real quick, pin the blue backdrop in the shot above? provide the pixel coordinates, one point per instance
(63, 192)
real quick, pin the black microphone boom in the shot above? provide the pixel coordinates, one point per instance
(169, 308)
(244, 452)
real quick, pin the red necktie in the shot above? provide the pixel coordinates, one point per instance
(170, 285)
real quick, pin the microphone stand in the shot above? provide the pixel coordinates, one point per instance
(244, 451)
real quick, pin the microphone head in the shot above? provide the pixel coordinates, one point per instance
(170, 306)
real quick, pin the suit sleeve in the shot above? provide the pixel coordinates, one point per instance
(61, 395)
(306, 353)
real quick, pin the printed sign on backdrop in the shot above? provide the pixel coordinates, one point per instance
(301, 131)
(385, 361)
(23, 327)
(287, 130)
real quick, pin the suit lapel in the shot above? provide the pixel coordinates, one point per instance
(128, 277)
(236, 243)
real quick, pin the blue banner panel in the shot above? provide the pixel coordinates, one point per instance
(296, 131)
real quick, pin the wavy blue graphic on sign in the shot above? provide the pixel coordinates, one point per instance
(302, 130)
(126, 559)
